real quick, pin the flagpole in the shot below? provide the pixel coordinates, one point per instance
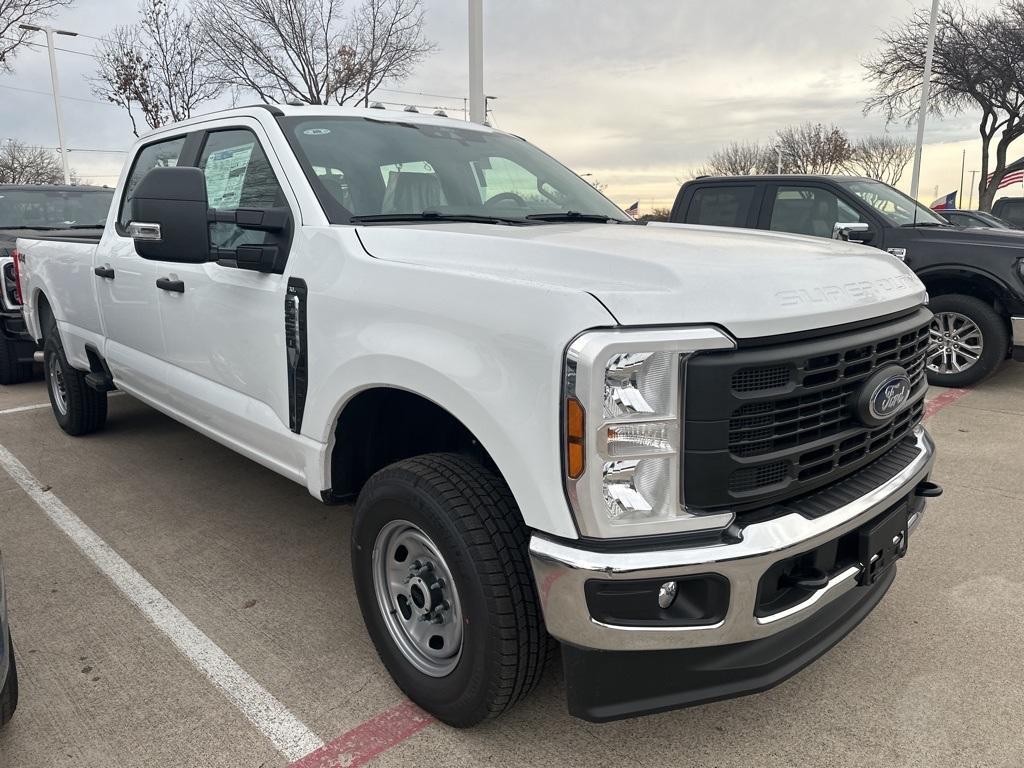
(963, 168)
(974, 175)
(915, 181)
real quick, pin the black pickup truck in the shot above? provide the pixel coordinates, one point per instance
(31, 210)
(975, 277)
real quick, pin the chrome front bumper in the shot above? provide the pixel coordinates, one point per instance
(562, 570)
(1017, 329)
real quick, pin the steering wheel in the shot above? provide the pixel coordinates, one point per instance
(502, 197)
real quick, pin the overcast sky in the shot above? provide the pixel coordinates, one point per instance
(637, 94)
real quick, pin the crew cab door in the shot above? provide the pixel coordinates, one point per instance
(125, 286)
(224, 326)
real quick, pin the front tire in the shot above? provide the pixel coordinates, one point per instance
(969, 340)
(9, 694)
(440, 563)
(78, 408)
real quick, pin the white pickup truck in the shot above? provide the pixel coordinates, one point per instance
(691, 455)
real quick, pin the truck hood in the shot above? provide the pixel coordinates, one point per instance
(754, 284)
(974, 236)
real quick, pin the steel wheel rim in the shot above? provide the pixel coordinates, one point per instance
(417, 598)
(57, 386)
(957, 343)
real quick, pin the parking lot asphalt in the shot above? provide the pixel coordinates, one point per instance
(247, 559)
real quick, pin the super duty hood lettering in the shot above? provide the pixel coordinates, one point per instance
(863, 291)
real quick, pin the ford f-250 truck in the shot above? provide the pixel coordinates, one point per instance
(692, 456)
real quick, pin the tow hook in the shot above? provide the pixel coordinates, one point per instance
(928, 490)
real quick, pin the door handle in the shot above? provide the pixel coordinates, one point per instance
(105, 271)
(166, 284)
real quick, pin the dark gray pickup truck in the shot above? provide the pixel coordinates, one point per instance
(975, 277)
(33, 210)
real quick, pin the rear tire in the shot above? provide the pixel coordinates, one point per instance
(78, 408)
(15, 361)
(9, 694)
(969, 334)
(466, 519)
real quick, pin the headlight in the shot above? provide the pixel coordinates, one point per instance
(622, 438)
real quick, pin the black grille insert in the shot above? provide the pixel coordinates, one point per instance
(769, 423)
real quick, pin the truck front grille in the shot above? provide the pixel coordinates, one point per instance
(771, 422)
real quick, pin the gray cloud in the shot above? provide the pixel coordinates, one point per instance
(637, 93)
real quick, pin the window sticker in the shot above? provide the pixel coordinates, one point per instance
(225, 174)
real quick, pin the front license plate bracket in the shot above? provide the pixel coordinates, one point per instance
(882, 542)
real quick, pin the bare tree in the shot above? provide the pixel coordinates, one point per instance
(305, 50)
(656, 214)
(882, 157)
(813, 148)
(157, 66)
(740, 159)
(16, 12)
(389, 43)
(24, 164)
(977, 66)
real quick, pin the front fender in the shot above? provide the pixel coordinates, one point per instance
(495, 365)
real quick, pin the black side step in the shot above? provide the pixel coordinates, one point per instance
(101, 382)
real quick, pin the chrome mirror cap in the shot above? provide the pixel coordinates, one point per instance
(139, 230)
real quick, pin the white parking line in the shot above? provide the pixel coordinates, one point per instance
(21, 408)
(36, 406)
(289, 735)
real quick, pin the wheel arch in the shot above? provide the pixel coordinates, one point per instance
(517, 438)
(968, 282)
(382, 424)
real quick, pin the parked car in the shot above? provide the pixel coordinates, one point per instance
(692, 456)
(967, 219)
(1010, 210)
(975, 277)
(27, 210)
(8, 670)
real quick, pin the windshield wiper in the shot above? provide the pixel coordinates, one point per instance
(570, 216)
(86, 226)
(384, 218)
(37, 229)
(915, 224)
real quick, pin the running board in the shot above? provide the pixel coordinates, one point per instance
(101, 382)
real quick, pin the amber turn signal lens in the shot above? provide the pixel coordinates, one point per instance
(574, 421)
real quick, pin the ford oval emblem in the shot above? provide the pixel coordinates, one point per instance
(884, 395)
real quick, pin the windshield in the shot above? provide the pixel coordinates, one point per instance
(53, 208)
(898, 209)
(363, 167)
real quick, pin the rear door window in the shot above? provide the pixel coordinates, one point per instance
(721, 206)
(162, 154)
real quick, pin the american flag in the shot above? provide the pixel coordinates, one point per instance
(1013, 177)
(634, 209)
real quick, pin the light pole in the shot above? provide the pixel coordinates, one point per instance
(477, 104)
(971, 203)
(915, 179)
(50, 32)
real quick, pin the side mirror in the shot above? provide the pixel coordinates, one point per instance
(169, 216)
(854, 232)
